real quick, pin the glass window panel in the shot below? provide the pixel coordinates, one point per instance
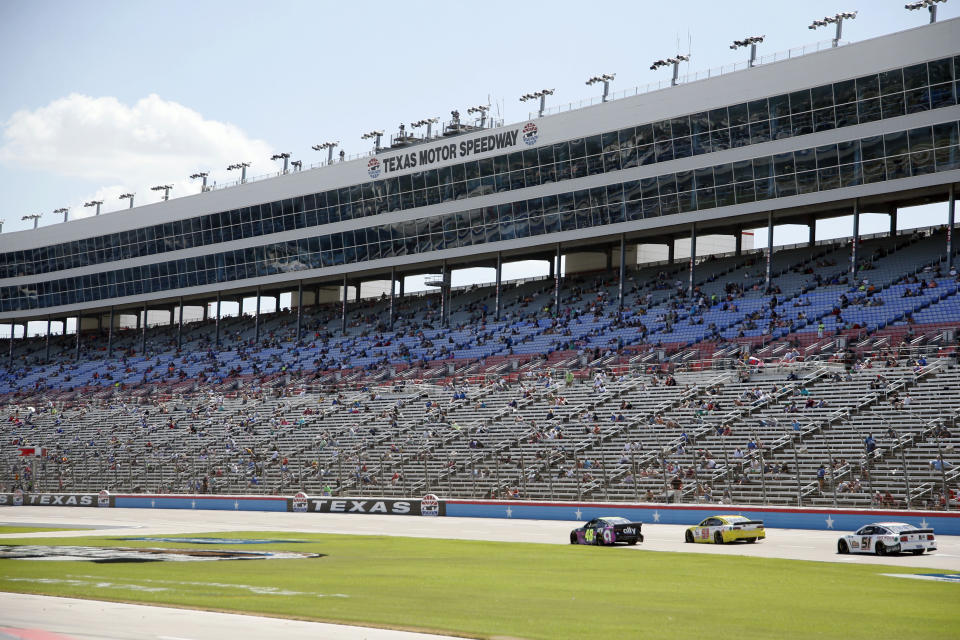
(486, 169)
(661, 131)
(530, 159)
(915, 76)
(744, 192)
(668, 184)
(763, 167)
(561, 152)
(807, 182)
(739, 136)
(822, 97)
(738, 114)
(802, 123)
(760, 132)
(700, 123)
(805, 159)
(917, 100)
(783, 163)
(786, 186)
(577, 148)
(723, 174)
(779, 106)
(898, 167)
(644, 134)
(594, 165)
(706, 198)
(628, 138)
(846, 114)
(823, 119)
(869, 110)
(720, 139)
(646, 155)
(743, 171)
(946, 134)
(921, 139)
(873, 171)
(684, 181)
(725, 195)
(800, 101)
(892, 105)
(703, 177)
(942, 95)
(649, 187)
(680, 126)
(701, 143)
(922, 162)
(872, 147)
(827, 156)
(669, 205)
(682, 147)
(851, 175)
(632, 190)
(758, 110)
(940, 71)
(894, 143)
(664, 151)
(593, 145)
(610, 141)
(891, 81)
(719, 119)
(947, 158)
(849, 151)
(501, 163)
(829, 178)
(868, 87)
(471, 170)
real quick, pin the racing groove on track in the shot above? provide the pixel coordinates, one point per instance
(793, 544)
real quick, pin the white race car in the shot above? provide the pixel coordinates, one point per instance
(884, 538)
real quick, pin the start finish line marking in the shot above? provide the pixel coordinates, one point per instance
(936, 577)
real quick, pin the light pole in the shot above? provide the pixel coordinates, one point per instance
(374, 135)
(203, 175)
(542, 95)
(329, 147)
(165, 188)
(930, 5)
(33, 216)
(1, 225)
(64, 211)
(94, 203)
(834, 19)
(297, 165)
(243, 170)
(127, 196)
(751, 42)
(428, 122)
(605, 78)
(286, 160)
(675, 62)
(482, 109)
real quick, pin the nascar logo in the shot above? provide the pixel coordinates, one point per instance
(430, 505)
(373, 168)
(300, 502)
(530, 134)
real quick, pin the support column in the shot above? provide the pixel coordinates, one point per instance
(496, 293)
(356, 298)
(79, 324)
(670, 251)
(447, 294)
(623, 271)
(343, 307)
(180, 325)
(110, 335)
(256, 320)
(951, 210)
(443, 293)
(855, 244)
(609, 256)
(403, 282)
(556, 283)
(769, 271)
(693, 257)
(206, 311)
(393, 297)
(738, 242)
(217, 322)
(299, 310)
(893, 220)
(143, 334)
(171, 317)
(13, 328)
(47, 357)
(812, 232)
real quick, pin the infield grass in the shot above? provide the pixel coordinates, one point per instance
(23, 530)
(488, 589)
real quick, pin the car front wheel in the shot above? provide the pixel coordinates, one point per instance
(688, 537)
(842, 547)
(573, 538)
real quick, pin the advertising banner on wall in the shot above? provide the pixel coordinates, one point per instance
(429, 505)
(20, 498)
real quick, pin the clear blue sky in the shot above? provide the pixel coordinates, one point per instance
(290, 74)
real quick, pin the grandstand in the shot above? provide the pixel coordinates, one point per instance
(823, 373)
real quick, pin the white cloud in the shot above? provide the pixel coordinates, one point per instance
(130, 147)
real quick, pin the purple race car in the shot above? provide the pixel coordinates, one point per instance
(607, 530)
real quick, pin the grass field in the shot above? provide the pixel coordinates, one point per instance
(25, 530)
(485, 589)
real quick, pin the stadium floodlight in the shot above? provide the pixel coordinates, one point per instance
(282, 156)
(930, 5)
(297, 164)
(329, 147)
(605, 78)
(201, 174)
(375, 136)
(1, 225)
(94, 203)
(834, 19)
(165, 188)
(127, 196)
(426, 122)
(675, 62)
(482, 109)
(33, 216)
(542, 95)
(64, 211)
(751, 42)
(243, 170)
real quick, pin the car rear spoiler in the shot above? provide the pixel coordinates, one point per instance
(630, 524)
(919, 531)
(751, 522)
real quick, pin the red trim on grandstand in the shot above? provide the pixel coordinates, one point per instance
(715, 507)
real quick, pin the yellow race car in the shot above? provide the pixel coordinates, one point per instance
(724, 529)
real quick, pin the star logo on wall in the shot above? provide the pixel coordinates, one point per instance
(656, 516)
(509, 512)
(579, 513)
(829, 522)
